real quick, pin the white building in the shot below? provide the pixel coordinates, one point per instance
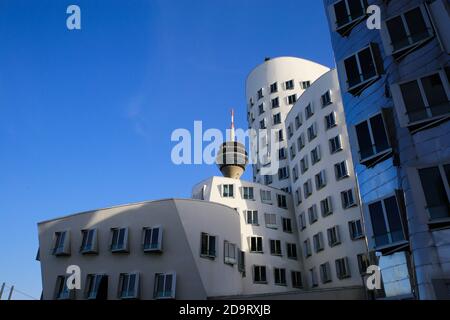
(324, 187)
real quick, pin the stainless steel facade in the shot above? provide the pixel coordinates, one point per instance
(424, 241)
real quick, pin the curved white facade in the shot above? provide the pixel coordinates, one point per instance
(300, 120)
(277, 71)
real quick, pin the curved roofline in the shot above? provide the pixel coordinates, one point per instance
(282, 57)
(314, 84)
(133, 204)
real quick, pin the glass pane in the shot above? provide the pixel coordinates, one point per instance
(356, 10)
(168, 285)
(364, 140)
(393, 216)
(121, 238)
(131, 284)
(436, 197)
(351, 69)
(155, 236)
(378, 224)
(397, 33)
(212, 246)
(160, 285)
(435, 93)
(416, 24)
(414, 104)
(340, 11)
(204, 249)
(367, 64)
(379, 133)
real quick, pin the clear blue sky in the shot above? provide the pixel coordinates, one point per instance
(86, 116)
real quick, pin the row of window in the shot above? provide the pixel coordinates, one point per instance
(279, 276)
(151, 241)
(274, 88)
(270, 219)
(275, 246)
(129, 287)
(247, 193)
(333, 236)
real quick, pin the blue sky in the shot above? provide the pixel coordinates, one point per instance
(86, 116)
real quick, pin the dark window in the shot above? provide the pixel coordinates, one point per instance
(372, 137)
(259, 274)
(274, 87)
(436, 197)
(208, 245)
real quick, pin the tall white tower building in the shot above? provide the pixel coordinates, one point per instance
(272, 88)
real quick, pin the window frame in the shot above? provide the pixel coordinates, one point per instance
(211, 255)
(172, 292)
(152, 248)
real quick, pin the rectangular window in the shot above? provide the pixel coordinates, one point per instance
(335, 144)
(287, 225)
(348, 199)
(247, 193)
(348, 13)
(262, 124)
(301, 142)
(280, 135)
(266, 196)
(334, 237)
(129, 286)
(271, 220)
(260, 94)
(89, 242)
(372, 139)
(326, 99)
(302, 221)
(228, 191)
(315, 155)
(321, 180)
(356, 230)
(304, 164)
(342, 268)
(407, 31)
(274, 87)
(275, 102)
(309, 111)
(282, 153)
(268, 180)
(283, 173)
(229, 253)
(330, 121)
(296, 277)
(292, 152)
(208, 246)
(312, 132)
(313, 277)
(292, 99)
(119, 242)
(298, 121)
(361, 69)
(436, 187)
(62, 291)
(325, 272)
(386, 221)
(165, 284)
(298, 195)
(291, 249)
(241, 262)
(423, 99)
(289, 85)
(341, 171)
(277, 118)
(295, 173)
(307, 188)
(261, 109)
(152, 239)
(363, 263)
(326, 207)
(96, 287)
(61, 244)
(256, 244)
(259, 274)
(275, 247)
(279, 276)
(281, 201)
(305, 84)
(307, 248)
(252, 217)
(318, 242)
(290, 131)
(312, 214)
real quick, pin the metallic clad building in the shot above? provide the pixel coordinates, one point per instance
(396, 92)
